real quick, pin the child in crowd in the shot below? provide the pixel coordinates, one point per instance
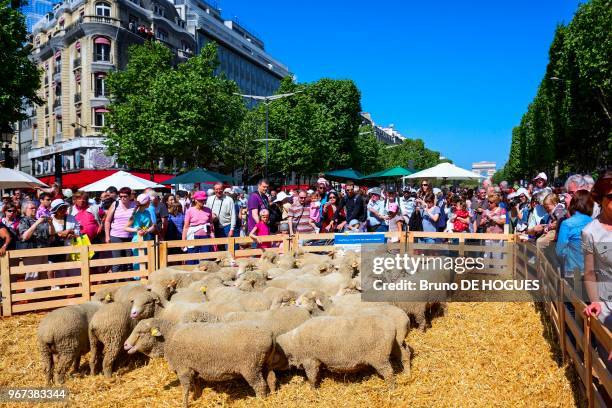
(315, 210)
(462, 217)
(261, 229)
(395, 220)
(354, 226)
(283, 229)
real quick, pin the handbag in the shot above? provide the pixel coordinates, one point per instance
(82, 240)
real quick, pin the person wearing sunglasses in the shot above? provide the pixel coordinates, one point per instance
(334, 216)
(597, 247)
(425, 188)
(11, 220)
(117, 218)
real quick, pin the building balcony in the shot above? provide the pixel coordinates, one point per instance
(76, 63)
(58, 137)
(78, 132)
(77, 98)
(101, 93)
(102, 20)
(103, 58)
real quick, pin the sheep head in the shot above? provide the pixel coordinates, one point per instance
(147, 338)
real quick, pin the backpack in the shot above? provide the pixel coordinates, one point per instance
(416, 221)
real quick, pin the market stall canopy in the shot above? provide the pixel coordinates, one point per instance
(445, 171)
(389, 173)
(11, 178)
(344, 174)
(121, 179)
(200, 176)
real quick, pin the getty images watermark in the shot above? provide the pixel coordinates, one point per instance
(443, 275)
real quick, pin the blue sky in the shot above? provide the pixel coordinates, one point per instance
(458, 74)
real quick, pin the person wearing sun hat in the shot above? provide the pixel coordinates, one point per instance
(540, 182)
(198, 224)
(140, 223)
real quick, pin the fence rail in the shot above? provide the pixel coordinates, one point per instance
(74, 279)
(579, 336)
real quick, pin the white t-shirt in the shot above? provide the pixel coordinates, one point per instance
(60, 225)
(597, 240)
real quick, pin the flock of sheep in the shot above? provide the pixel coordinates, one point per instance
(244, 318)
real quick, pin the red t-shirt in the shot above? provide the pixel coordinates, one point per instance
(459, 226)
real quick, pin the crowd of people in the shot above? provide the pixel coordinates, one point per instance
(571, 218)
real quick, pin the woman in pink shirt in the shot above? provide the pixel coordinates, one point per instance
(116, 220)
(198, 225)
(261, 229)
(87, 216)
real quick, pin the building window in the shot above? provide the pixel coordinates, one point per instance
(99, 114)
(159, 10)
(162, 35)
(103, 9)
(100, 85)
(102, 48)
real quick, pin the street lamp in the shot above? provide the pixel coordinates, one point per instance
(7, 137)
(266, 101)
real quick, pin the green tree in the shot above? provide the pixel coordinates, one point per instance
(411, 151)
(367, 153)
(19, 77)
(160, 111)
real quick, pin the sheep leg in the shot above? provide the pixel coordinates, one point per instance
(255, 379)
(197, 388)
(405, 350)
(110, 356)
(94, 358)
(186, 379)
(63, 365)
(419, 317)
(47, 360)
(76, 364)
(386, 371)
(312, 371)
(271, 380)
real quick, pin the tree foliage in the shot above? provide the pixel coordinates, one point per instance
(412, 153)
(160, 111)
(19, 77)
(568, 123)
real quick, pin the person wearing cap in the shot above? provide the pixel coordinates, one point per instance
(6, 199)
(396, 220)
(353, 204)
(224, 212)
(407, 204)
(34, 233)
(198, 224)
(520, 200)
(376, 212)
(540, 182)
(63, 224)
(140, 223)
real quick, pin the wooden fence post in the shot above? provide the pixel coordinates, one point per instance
(561, 314)
(150, 257)
(231, 247)
(588, 362)
(85, 276)
(295, 244)
(163, 254)
(5, 272)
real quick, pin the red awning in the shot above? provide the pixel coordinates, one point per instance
(100, 74)
(82, 178)
(101, 110)
(102, 40)
(61, 20)
(77, 45)
(58, 55)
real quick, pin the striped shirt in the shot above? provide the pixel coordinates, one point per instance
(300, 218)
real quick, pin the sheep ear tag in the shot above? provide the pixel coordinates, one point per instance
(155, 332)
(203, 289)
(108, 297)
(319, 302)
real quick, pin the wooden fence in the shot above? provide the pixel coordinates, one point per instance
(579, 336)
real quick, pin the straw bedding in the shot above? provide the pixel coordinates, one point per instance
(479, 355)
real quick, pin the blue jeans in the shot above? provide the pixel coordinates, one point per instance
(222, 232)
